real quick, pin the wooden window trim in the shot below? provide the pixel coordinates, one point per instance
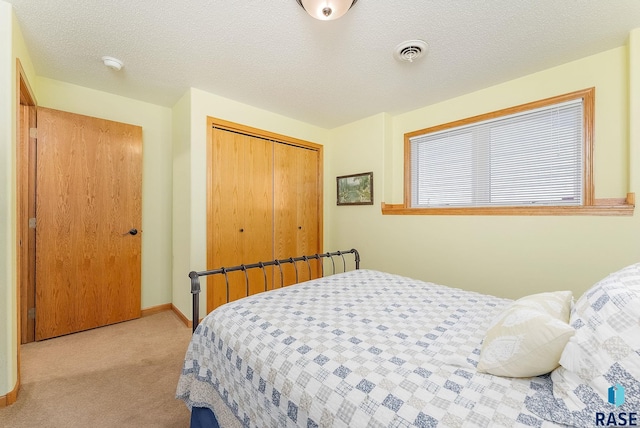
(590, 206)
(602, 207)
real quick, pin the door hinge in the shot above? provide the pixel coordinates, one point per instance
(31, 313)
(32, 223)
(33, 132)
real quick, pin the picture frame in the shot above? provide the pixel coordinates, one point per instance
(355, 189)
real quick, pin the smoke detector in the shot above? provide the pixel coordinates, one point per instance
(112, 63)
(410, 50)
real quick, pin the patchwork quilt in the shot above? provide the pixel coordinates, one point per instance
(358, 349)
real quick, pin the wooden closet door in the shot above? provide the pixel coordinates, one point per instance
(241, 227)
(228, 201)
(308, 237)
(258, 211)
(285, 210)
(89, 196)
(296, 208)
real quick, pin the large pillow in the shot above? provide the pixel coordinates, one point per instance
(604, 354)
(527, 339)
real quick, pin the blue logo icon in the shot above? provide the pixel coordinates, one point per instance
(616, 395)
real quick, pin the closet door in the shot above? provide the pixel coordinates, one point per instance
(285, 176)
(308, 207)
(296, 220)
(240, 229)
(226, 186)
(257, 237)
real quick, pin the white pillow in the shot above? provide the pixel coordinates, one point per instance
(528, 338)
(605, 350)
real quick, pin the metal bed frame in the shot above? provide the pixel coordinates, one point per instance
(195, 276)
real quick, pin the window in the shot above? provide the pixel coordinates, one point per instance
(528, 158)
(534, 155)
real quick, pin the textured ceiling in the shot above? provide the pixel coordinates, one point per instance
(272, 55)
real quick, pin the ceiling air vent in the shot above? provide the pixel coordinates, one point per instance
(410, 50)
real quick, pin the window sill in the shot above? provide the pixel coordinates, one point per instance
(602, 207)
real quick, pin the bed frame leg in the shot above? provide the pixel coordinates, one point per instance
(195, 296)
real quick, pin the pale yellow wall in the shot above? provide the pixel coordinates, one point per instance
(608, 72)
(203, 104)
(634, 110)
(181, 199)
(12, 47)
(506, 256)
(355, 148)
(7, 203)
(156, 171)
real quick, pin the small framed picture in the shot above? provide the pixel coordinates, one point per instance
(355, 189)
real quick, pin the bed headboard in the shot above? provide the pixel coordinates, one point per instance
(195, 276)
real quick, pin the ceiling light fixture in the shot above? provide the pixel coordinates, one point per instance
(112, 63)
(326, 10)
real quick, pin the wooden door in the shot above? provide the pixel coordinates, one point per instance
(285, 207)
(241, 213)
(308, 241)
(88, 197)
(258, 210)
(227, 205)
(296, 208)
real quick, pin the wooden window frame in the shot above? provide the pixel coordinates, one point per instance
(590, 205)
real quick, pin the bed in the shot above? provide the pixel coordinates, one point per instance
(372, 349)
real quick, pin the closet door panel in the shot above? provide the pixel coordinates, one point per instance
(308, 207)
(286, 197)
(258, 210)
(227, 206)
(296, 208)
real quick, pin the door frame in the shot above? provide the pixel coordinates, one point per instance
(25, 198)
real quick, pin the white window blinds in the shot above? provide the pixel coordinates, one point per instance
(524, 159)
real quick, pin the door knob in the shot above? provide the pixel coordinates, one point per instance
(133, 232)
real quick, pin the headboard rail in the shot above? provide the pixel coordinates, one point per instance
(195, 276)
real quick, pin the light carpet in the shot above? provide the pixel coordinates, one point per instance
(123, 375)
